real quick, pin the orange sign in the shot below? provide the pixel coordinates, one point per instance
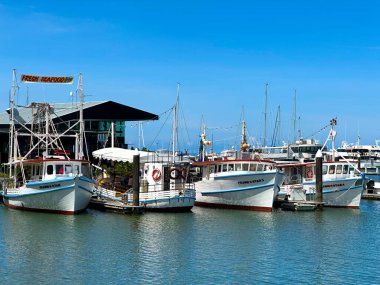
(47, 79)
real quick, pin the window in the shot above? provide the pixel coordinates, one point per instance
(245, 166)
(260, 167)
(230, 167)
(332, 169)
(345, 169)
(224, 167)
(324, 169)
(219, 168)
(59, 169)
(339, 169)
(252, 167)
(68, 169)
(49, 170)
(238, 166)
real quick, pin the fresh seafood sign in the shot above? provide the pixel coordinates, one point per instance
(47, 79)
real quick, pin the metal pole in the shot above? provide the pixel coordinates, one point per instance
(318, 179)
(136, 180)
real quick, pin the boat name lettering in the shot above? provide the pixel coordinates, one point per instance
(50, 186)
(333, 185)
(251, 181)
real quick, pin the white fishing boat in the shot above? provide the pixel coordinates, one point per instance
(342, 182)
(164, 183)
(237, 180)
(45, 178)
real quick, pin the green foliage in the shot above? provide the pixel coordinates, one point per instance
(119, 168)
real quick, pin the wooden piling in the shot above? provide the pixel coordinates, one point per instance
(318, 179)
(136, 180)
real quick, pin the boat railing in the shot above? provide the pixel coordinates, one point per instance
(161, 194)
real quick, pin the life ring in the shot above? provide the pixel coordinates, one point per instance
(156, 174)
(175, 173)
(184, 173)
(309, 173)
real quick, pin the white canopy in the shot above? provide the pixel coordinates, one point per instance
(119, 154)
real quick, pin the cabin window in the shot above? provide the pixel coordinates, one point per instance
(245, 166)
(324, 169)
(238, 167)
(224, 167)
(49, 170)
(219, 168)
(345, 169)
(332, 169)
(339, 169)
(68, 169)
(260, 167)
(230, 167)
(59, 169)
(252, 167)
(85, 170)
(212, 169)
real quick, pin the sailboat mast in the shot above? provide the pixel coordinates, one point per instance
(80, 154)
(265, 114)
(295, 116)
(12, 122)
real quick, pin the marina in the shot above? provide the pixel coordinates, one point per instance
(189, 142)
(332, 246)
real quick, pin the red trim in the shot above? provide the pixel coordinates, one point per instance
(39, 160)
(236, 207)
(169, 209)
(210, 162)
(43, 210)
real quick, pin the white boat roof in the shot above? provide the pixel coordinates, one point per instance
(119, 154)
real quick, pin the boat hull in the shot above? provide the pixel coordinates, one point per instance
(342, 193)
(65, 196)
(254, 191)
(167, 201)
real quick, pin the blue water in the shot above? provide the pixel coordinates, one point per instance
(206, 246)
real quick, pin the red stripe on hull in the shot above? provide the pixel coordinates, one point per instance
(236, 207)
(169, 209)
(43, 210)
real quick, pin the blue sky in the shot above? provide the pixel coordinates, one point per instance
(222, 52)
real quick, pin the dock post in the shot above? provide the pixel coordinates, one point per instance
(318, 179)
(136, 180)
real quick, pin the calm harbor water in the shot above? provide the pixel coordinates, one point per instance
(206, 246)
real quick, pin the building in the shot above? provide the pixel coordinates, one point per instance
(98, 117)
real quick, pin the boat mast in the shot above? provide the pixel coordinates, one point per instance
(277, 126)
(175, 123)
(80, 154)
(12, 123)
(295, 116)
(265, 114)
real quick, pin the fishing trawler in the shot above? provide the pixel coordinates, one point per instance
(236, 179)
(44, 177)
(342, 186)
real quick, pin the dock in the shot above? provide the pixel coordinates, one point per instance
(371, 196)
(114, 206)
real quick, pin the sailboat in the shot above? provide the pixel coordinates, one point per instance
(44, 178)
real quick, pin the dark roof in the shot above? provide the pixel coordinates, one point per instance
(99, 111)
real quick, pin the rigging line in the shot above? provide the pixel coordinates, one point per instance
(154, 140)
(317, 132)
(149, 121)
